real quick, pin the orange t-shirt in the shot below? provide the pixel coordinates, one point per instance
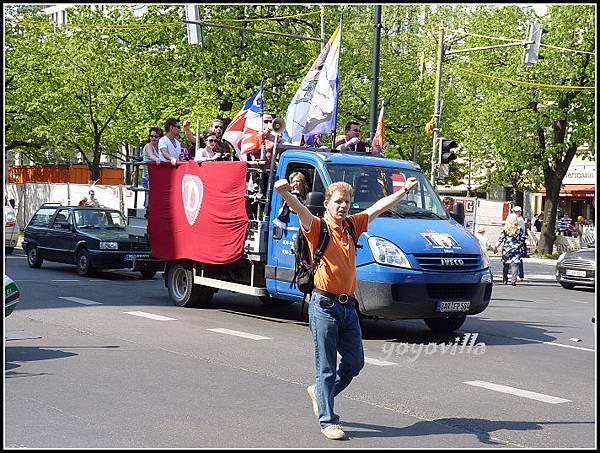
(336, 272)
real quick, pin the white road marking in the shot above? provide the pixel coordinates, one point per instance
(250, 336)
(64, 280)
(518, 392)
(554, 344)
(378, 362)
(15, 256)
(149, 315)
(80, 301)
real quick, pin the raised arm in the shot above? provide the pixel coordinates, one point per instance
(188, 132)
(388, 202)
(283, 187)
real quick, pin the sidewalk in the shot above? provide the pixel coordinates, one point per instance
(547, 261)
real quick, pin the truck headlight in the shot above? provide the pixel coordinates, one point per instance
(109, 246)
(484, 257)
(387, 253)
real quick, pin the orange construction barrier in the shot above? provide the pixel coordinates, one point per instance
(76, 174)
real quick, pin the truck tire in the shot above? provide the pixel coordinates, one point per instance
(445, 325)
(182, 290)
(33, 257)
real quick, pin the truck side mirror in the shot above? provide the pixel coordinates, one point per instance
(459, 213)
(314, 203)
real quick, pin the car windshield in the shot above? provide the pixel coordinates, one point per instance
(372, 183)
(99, 218)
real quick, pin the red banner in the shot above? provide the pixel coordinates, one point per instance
(198, 212)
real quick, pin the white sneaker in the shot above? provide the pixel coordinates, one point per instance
(334, 432)
(311, 392)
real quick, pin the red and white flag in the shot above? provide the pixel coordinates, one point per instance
(245, 132)
(378, 138)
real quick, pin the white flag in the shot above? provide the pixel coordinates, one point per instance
(313, 109)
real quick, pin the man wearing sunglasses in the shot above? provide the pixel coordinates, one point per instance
(168, 146)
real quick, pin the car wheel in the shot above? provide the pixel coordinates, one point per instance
(33, 257)
(84, 264)
(445, 325)
(182, 290)
(148, 274)
(9, 250)
(567, 285)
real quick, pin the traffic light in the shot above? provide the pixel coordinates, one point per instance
(446, 153)
(532, 50)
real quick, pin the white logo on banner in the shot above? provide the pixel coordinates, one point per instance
(192, 191)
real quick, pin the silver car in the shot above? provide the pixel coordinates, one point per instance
(577, 268)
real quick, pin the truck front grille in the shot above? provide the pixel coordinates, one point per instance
(445, 262)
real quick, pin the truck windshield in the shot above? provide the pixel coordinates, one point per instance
(369, 184)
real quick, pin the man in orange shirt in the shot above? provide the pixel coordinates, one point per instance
(333, 316)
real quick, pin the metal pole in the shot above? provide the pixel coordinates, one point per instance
(469, 181)
(323, 32)
(437, 112)
(375, 73)
(250, 30)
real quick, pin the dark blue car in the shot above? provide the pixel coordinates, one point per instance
(91, 238)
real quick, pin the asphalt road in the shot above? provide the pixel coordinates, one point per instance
(109, 362)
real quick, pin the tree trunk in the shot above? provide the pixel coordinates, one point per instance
(548, 235)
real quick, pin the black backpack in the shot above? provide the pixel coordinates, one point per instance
(304, 271)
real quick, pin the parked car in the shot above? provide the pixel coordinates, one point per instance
(577, 268)
(91, 238)
(11, 295)
(11, 229)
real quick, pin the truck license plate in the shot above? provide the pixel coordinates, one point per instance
(575, 273)
(453, 306)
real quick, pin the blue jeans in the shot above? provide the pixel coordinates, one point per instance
(145, 185)
(335, 328)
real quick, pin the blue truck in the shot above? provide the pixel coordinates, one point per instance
(415, 261)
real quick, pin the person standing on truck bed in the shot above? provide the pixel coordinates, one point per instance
(150, 154)
(351, 141)
(333, 316)
(168, 145)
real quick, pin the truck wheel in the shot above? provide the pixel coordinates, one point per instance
(270, 300)
(33, 258)
(148, 274)
(84, 264)
(182, 290)
(445, 325)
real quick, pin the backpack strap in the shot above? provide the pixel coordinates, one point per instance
(323, 241)
(352, 231)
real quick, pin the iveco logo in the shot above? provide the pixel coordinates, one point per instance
(452, 262)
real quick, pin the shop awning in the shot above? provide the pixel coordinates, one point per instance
(574, 190)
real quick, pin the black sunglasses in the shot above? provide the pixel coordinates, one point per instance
(155, 136)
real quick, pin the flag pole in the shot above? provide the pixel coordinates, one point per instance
(338, 92)
(263, 151)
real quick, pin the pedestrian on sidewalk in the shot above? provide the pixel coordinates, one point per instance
(511, 240)
(524, 252)
(333, 311)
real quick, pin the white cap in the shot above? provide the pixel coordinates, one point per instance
(517, 209)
